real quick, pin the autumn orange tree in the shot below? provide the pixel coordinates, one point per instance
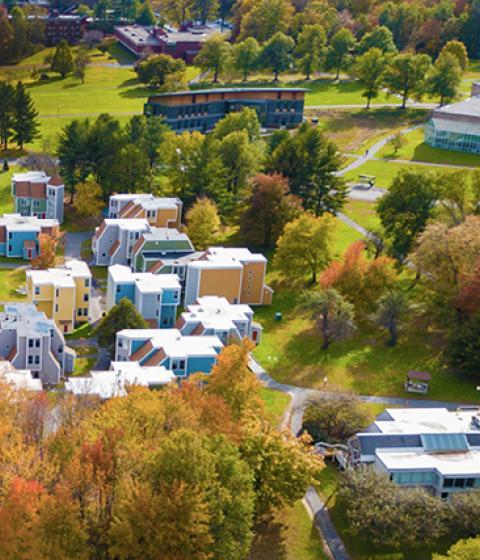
(47, 248)
(361, 281)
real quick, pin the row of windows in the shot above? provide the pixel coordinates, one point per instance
(33, 360)
(82, 312)
(34, 343)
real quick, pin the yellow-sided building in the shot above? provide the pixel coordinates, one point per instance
(62, 293)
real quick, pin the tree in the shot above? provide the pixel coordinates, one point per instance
(194, 167)
(62, 61)
(406, 75)
(304, 246)
(310, 162)
(176, 11)
(245, 56)
(459, 196)
(7, 112)
(277, 54)
(339, 51)
(162, 71)
(269, 208)
(25, 122)
(392, 307)
(205, 9)
(47, 247)
(203, 223)
(461, 522)
(333, 315)
(146, 16)
(6, 35)
(380, 38)
(398, 141)
(155, 135)
(283, 466)
(264, 18)
(370, 69)
(445, 78)
(239, 121)
(121, 316)
(232, 380)
(214, 55)
(359, 280)
(467, 549)
(89, 200)
(310, 49)
(405, 210)
(131, 173)
(458, 50)
(335, 420)
(80, 65)
(240, 159)
(446, 259)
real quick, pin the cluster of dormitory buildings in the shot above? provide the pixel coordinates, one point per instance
(151, 263)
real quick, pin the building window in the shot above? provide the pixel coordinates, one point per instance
(60, 349)
(57, 292)
(37, 343)
(119, 289)
(85, 297)
(182, 364)
(37, 359)
(85, 311)
(87, 282)
(56, 308)
(30, 359)
(30, 342)
(37, 291)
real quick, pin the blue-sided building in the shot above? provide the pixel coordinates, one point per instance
(184, 355)
(185, 111)
(156, 297)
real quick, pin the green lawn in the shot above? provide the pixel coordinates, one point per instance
(11, 280)
(290, 352)
(363, 213)
(385, 172)
(83, 366)
(289, 535)
(84, 331)
(415, 149)
(275, 404)
(6, 200)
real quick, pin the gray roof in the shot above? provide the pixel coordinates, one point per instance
(469, 107)
(458, 127)
(369, 443)
(226, 90)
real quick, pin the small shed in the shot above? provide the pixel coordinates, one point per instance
(417, 381)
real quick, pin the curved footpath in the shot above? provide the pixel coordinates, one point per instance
(293, 420)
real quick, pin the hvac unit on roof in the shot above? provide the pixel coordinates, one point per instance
(476, 422)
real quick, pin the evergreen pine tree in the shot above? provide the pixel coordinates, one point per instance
(7, 108)
(25, 123)
(62, 59)
(146, 15)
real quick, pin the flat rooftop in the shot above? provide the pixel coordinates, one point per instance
(228, 90)
(448, 464)
(427, 420)
(468, 107)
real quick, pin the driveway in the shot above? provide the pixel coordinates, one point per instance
(73, 243)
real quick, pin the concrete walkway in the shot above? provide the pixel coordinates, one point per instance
(300, 397)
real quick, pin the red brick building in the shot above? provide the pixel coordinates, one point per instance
(70, 27)
(185, 43)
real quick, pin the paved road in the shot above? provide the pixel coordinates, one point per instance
(300, 397)
(73, 244)
(373, 106)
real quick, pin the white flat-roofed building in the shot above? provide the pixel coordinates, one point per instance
(19, 379)
(434, 448)
(179, 353)
(213, 315)
(116, 381)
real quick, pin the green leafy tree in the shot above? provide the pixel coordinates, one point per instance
(270, 207)
(156, 132)
(146, 15)
(214, 55)
(121, 316)
(62, 61)
(310, 163)
(457, 48)
(405, 210)
(305, 247)
(162, 71)
(7, 112)
(335, 420)
(245, 56)
(310, 49)
(339, 52)
(80, 65)
(406, 75)
(467, 549)
(6, 36)
(332, 313)
(131, 173)
(176, 11)
(277, 54)
(445, 78)
(462, 350)
(25, 123)
(263, 19)
(89, 200)
(238, 121)
(392, 308)
(203, 223)
(380, 38)
(370, 70)
(205, 10)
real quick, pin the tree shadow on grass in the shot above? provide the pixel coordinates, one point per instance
(39, 82)
(140, 91)
(269, 540)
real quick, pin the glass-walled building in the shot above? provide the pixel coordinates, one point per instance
(456, 126)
